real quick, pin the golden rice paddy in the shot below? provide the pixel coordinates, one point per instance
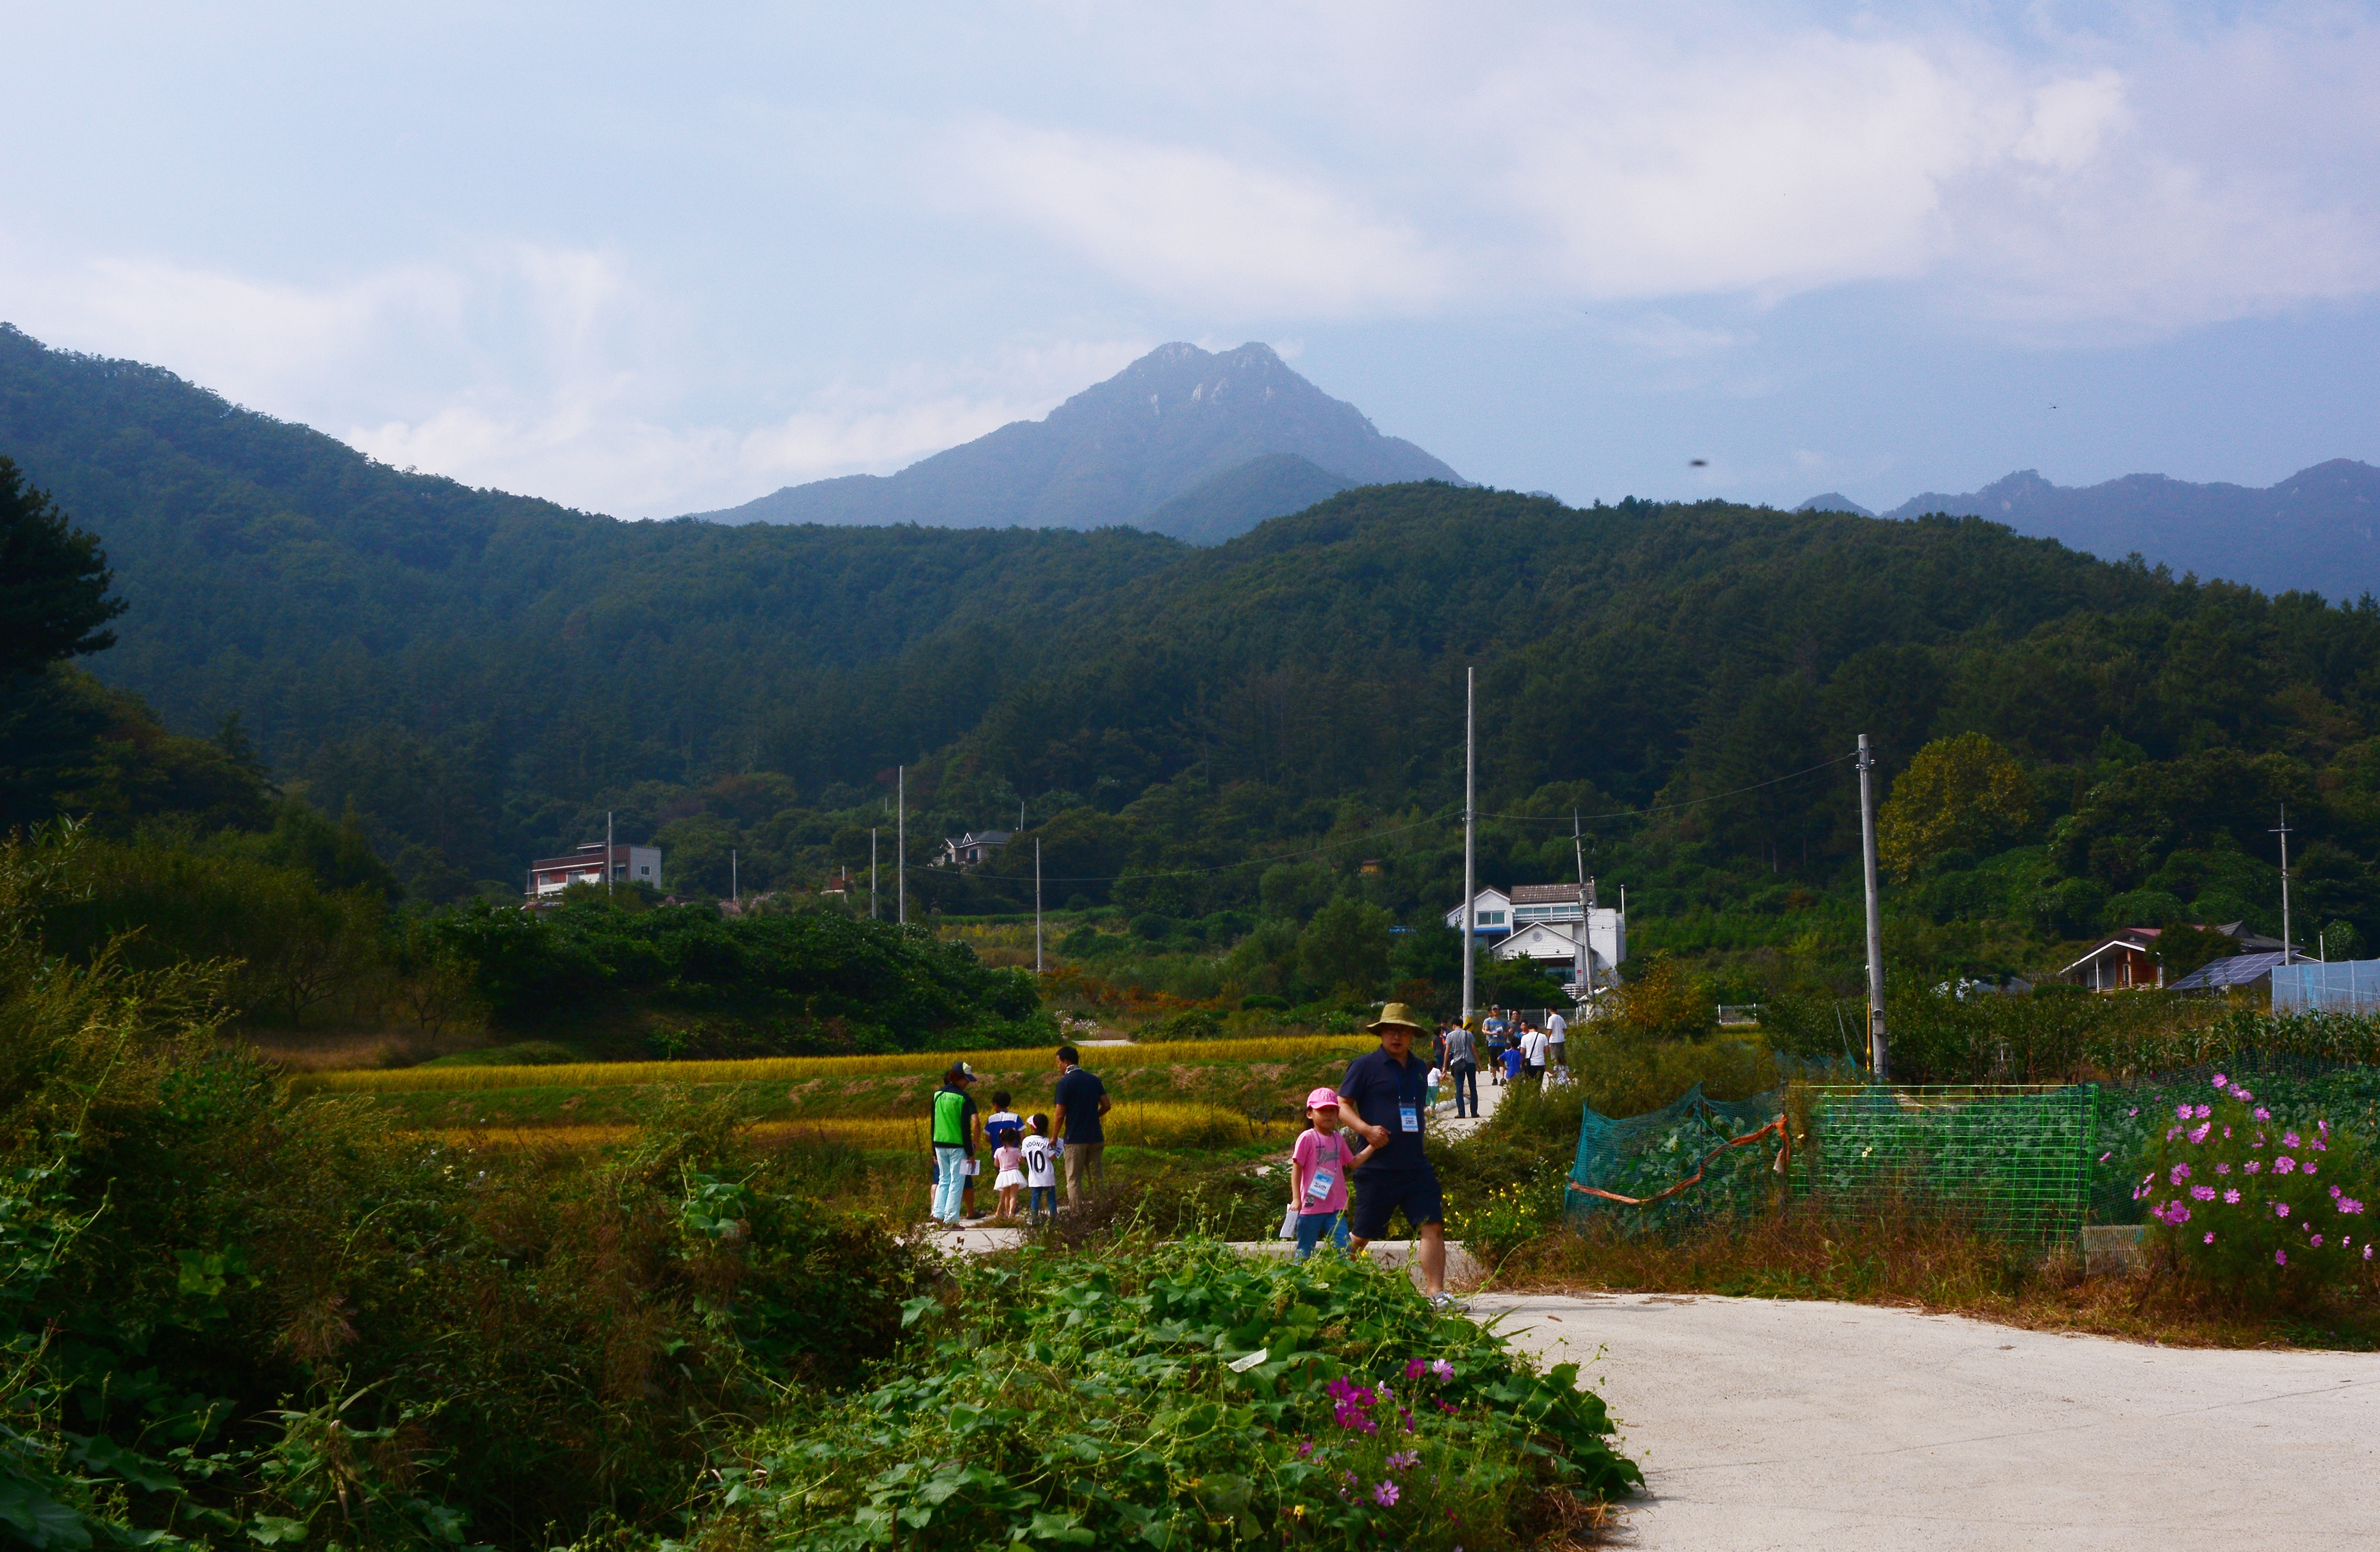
(1154, 1124)
(612, 1075)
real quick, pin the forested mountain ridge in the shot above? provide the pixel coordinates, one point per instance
(1122, 450)
(487, 688)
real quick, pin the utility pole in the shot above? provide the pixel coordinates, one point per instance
(1583, 973)
(1876, 1042)
(607, 861)
(1470, 828)
(2286, 957)
(872, 872)
(734, 887)
(1036, 905)
(901, 846)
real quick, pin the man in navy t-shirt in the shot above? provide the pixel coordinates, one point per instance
(1383, 1099)
(1081, 1099)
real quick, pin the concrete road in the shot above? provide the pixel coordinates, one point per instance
(1772, 1424)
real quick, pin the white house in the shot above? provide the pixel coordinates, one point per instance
(1492, 915)
(630, 865)
(1557, 942)
(971, 850)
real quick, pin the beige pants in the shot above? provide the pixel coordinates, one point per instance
(1084, 1160)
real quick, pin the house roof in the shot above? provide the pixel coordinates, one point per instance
(2132, 940)
(1545, 894)
(2237, 971)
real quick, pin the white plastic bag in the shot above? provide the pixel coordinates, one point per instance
(1289, 1221)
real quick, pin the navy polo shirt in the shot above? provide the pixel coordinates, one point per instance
(1379, 1088)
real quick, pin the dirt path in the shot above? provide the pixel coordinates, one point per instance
(1768, 1424)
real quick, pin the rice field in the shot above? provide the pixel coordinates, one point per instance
(638, 1074)
(1153, 1124)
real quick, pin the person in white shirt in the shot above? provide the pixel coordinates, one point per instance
(1533, 1051)
(1041, 1171)
(1557, 1040)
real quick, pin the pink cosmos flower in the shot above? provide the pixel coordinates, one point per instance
(2210, 1236)
(2251, 1166)
(1415, 1367)
(2367, 1250)
(2262, 1115)
(2219, 1084)
(2349, 1205)
(2134, 1112)
(2280, 1258)
(1385, 1495)
(2223, 1168)
(2180, 1173)
(2281, 1208)
(2203, 1193)
(2204, 1112)
(2291, 1139)
(2198, 1134)
(2105, 1156)
(2318, 1240)
(1405, 1460)
(2333, 1194)
(2310, 1167)
(2231, 1197)
(2181, 1112)
(2284, 1164)
(1443, 1369)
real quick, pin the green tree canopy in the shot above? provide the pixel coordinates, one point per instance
(54, 581)
(1963, 792)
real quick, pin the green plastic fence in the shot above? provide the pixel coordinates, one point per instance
(2013, 1161)
(1640, 1156)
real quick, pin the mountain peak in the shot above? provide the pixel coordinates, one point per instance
(1172, 422)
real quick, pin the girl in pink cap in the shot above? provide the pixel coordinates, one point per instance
(1318, 1173)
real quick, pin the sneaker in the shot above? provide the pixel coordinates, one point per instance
(1448, 1304)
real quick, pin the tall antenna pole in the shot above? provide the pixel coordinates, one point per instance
(872, 872)
(1876, 1042)
(1036, 905)
(2286, 957)
(900, 847)
(607, 860)
(1470, 829)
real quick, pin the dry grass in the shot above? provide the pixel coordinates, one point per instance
(1923, 1262)
(609, 1075)
(1129, 1124)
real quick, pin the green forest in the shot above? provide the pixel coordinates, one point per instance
(394, 683)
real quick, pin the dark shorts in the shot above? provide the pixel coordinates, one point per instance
(1379, 1194)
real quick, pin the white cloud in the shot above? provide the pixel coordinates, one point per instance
(1199, 227)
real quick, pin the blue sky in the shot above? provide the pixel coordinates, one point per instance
(648, 263)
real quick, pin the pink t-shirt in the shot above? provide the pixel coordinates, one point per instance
(1319, 1163)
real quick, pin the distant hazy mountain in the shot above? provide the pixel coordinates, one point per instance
(1173, 423)
(2317, 531)
(1834, 501)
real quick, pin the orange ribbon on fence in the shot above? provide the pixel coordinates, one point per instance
(1784, 1163)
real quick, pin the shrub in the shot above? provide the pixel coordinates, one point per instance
(1191, 1024)
(1112, 1401)
(2255, 1208)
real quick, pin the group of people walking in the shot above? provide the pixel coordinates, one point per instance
(1514, 1050)
(1029, 1152)
(1367, 1133)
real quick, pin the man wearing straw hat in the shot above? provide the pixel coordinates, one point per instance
(1382, 1099)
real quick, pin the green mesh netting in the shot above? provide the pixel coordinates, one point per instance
(1642, 1156)
(2014, 1162)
